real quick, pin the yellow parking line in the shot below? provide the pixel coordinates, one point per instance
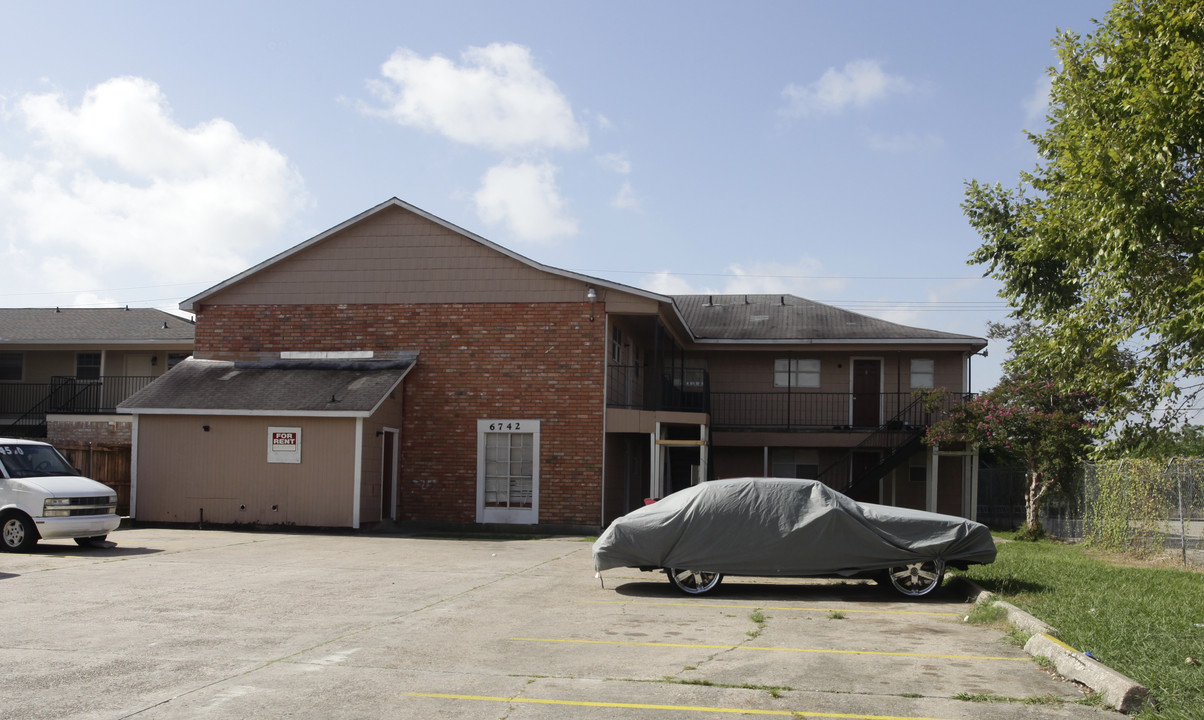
(775, 607)
(682, 708)
(770, 649)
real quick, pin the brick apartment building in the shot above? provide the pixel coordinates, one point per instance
(397, 368)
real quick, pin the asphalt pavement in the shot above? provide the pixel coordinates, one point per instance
(173, 623)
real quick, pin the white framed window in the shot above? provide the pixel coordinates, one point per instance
(791, 372)
(87, 366)
(801, 463)
(616, 346)
(923, 373)
(508, 471)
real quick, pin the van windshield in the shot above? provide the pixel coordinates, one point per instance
(21, 461)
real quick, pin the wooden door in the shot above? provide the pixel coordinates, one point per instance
(867, 392)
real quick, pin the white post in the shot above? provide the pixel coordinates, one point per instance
(702, 453)
(933, 461)
(656, 478)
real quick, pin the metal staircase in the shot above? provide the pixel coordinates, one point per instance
(891, 444)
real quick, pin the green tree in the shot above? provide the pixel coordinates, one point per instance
(1045, 430)
(1101, 246)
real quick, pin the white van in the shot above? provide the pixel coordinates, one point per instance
(43, 497)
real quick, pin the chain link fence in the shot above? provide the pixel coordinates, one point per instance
(1136, 506)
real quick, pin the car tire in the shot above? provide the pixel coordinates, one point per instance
(914, 580)
(694, 582)
(17, 533)
(93, 541)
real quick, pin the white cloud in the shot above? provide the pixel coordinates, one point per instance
(523, 196)
(626, 198)
(615, 162)
(1036, 104)
(113, 193)
(859, 84)
(496, 98)
(804, 278)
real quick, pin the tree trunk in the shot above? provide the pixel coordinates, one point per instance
(1032, 503)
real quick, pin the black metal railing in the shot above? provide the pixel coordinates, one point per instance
(778, 411)
(24, 406)
(639, 387)
(889, 445)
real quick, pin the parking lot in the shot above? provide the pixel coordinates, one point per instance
(216, 624)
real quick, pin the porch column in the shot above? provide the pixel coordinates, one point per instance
(656, 478)
(931, 488)
(702, 453)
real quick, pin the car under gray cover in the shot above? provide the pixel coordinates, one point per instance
(788, 528)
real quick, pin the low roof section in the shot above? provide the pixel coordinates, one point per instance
(330, 388)
(757, 319)
(92, 326)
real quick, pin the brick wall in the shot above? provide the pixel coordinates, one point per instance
(102, 430)
(476, 361)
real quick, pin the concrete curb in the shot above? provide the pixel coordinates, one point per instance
(1119, 691)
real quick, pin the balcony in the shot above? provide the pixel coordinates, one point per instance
(638, 387)
(817, 411)
(24, 406)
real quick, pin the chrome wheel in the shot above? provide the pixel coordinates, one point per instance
(17, 534)
(917, 579)
(694, 582)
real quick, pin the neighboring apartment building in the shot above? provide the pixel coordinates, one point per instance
(76, 364)
(399, 368)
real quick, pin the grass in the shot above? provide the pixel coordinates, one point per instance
(1145, 622)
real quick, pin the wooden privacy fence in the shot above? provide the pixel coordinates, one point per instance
(108, 464)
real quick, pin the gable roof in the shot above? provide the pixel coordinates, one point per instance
(284, 388)
(191, 303)
(84, 326)
(790, 319)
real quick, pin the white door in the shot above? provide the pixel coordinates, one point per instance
(508, 471)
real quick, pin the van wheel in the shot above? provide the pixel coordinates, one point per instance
(17, 533)
(93, 541)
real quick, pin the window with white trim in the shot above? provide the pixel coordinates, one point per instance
(616, 346)
(923, 373)
(87, 366)
(793, 372)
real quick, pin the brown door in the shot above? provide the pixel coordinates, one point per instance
(867, 393)
(388, 476)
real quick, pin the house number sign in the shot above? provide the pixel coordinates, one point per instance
(284, 444)
(506, 426)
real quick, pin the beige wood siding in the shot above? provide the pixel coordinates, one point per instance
(398, 257)
(182, 469)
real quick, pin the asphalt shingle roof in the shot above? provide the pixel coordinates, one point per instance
(786, 318)
(92, 325)
(319, 387)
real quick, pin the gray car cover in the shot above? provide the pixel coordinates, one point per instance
(781, 527)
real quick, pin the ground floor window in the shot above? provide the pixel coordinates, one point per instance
(508, 471)
(799, 463)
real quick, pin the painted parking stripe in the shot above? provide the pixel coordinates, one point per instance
(768, 649)
(681, 708)
(765, 607)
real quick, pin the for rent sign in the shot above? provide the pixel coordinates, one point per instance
(284, 444)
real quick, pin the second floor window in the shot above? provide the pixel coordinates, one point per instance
(923, 374)
(795, 373)
(616, 347)
(87, 366)
(11, 365)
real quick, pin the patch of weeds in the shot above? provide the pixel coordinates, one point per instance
(983, 698)
(759, 618)
(987, 613)
(836, 615)
(1016, 636)
(911, 695)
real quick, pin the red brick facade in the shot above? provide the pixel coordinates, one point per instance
(542, 361)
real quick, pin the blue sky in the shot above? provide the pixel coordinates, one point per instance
(151, 150)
